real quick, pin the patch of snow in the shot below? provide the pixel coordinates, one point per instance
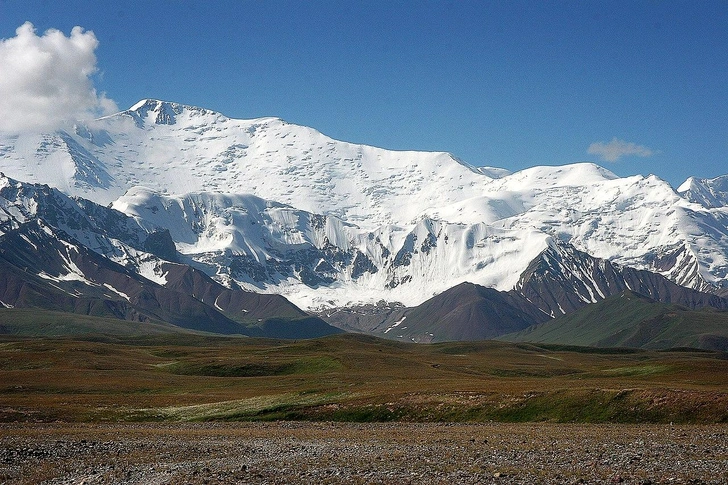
(396, 324)
(120, 293)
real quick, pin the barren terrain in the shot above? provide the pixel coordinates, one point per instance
(295, 452)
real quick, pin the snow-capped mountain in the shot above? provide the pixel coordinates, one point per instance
(282, 208)
(72, 255)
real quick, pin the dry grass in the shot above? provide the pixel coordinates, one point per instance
(353, 378)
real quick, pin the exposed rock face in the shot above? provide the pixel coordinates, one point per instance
(563, 279)
(160, 243)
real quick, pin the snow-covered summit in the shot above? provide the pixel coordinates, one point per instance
(711, 193)
(155, 111)
(177, 149)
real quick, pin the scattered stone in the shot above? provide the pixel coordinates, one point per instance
(296, 453)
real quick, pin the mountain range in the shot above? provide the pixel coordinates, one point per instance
(177, 214)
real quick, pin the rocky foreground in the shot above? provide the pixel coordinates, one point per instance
(296, 452)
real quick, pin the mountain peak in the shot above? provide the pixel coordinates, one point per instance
(159, 105)
(145, 104)
(710, 193)
(164, 112)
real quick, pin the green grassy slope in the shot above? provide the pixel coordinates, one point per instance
(33, 322)
(37, 322)
(631, 320)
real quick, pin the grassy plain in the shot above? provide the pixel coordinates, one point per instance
(352, 378)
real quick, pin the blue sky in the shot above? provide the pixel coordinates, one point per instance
(508, 84)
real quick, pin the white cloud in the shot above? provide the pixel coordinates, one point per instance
(616, 149)
(46, 80)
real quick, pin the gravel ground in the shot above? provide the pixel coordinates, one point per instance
(398, 453)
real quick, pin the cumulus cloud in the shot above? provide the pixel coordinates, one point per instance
(47, 80)
(616, 149)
